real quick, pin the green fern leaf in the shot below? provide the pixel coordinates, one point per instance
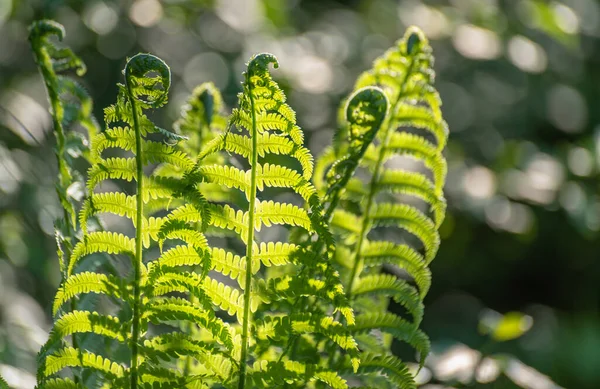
(397, 327)
(391, 367)
(70, 357)
(59, 383)
(399, 290)
(102, 241)
(87, 282)
(173, 308)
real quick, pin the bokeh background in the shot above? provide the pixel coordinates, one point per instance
(520, 81)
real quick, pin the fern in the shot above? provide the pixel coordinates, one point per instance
(143, 298)
(176, 309)
(270, 128)
(393, 197)
(70, 106)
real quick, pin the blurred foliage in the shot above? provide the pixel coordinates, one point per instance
(519, 80)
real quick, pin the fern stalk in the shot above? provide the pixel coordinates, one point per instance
(41, 47)
(250, 241)
(138, 232)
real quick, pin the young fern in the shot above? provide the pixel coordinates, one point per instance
(161, 324)
(70, 107)
(147, 296)
(271, 129)
(392, 196)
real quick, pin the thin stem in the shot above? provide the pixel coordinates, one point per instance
(249, 242)
(137, 264)
(45, 65)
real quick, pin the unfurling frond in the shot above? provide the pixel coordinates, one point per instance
(70, 106)
(140, 298)
(394, 196)
(228, 268)
(267, 127)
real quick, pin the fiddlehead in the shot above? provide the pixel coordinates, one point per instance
(392, 196)
(70, 106)
(146, 296)
(268, 127)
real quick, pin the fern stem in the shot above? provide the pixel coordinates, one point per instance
(138, 236)
(388, 131)
(50, 79)
(249, 242)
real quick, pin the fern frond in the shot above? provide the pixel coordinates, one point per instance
(397, 327)
(410, 219)
(412, 127)
(70, 357)
(138, 298)
(274, 327)
(101, 242)
(268, 373)
(391, 367)
(268, 127)
(87, 282)
(86, 322)
(173, 308)
(58, 383)
(70, 105)
(399, 290)
(378, 253)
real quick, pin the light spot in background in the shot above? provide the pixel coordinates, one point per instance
(145, 13)
(592, 216)
(10, 174)
(118, 42)
(504, 327)
(27, 319)
(242, 15)
(218, 34)
(204, 67)
(572, 197)
(458, 106)
(30, 119)
(100, 17)
(566, 19)
(497, 212)
(527, 377)
(509, 216)
(5, 9)
(488, 371)
(541, 179)
(588, 13)
(476, 42)
(597, 144)
(313, 110)
(457, 363)
(373, 45)
(527, 55)
(17, 378)
(566, 108)
(433, 22)
(479, 182)
(580, 161)
(422, 375)
(545, 172)
(331, 45)
(313, 74)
